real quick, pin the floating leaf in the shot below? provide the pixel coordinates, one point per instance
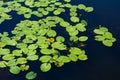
(75, 50)
(108, 35)
(64, 59)
(80, 27)
(14, 70)
(82, 57)
(83, 38)
(58, 45)
(45, 58)
(8, 57)
(74, 33)
(60, 39)
(73, 57)
(12, 62)
(24, 67)
(31, 75)
(98, 31)
(64, 24)
(81, 6)
(4, 51)
(21, 60)
(51, 33)
(74, 19)
(56, 12)
(32, 57)
(89, 9)
(113, 39)
(2, 64)
(107, 43)
(70, 29)
(32, 46)
(67, 0)
(73, 38)
(45, 67)
(21, 45)
(17, 52)
(45, 51)
(99, 38)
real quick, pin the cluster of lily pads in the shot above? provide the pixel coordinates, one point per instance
(39, 40)
(104, 35)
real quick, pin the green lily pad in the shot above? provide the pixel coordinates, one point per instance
(2, 64)
(107, 43)
(58, 45)
(83, 38)
(4, 51)
(108, 35)
(99, 38)
(64, 24)
(81, 6)
(12, 63)
(82, 57)
(45, 67)
(8, 57)
(73, 38)
(67, 0)
(21, 60)
(75, 50)
(80, 27)
(89, 9)
(64, 59)
(31, 75)
(45, 51)
(74, 19)
(60, 39)
(32, 57)
(98, 31)
(51, 33)
(73, 57)
(17, 52)
(45, 58)
(14, 70)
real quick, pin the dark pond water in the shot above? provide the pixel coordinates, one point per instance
(103, 62)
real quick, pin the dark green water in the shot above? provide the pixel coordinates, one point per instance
(103, 62)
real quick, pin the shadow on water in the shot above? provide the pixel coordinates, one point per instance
(103, 62)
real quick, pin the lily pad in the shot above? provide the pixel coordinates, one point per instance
(31, 75)
(107, 43)
(73, 57)
(32, 57)
(45, 67)
(2, 64)
(89, 9)
(45, 58)
(14, 70)
(74, 19)
(60, 39)
(75, 50)
(83, 38)
(64, 59)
